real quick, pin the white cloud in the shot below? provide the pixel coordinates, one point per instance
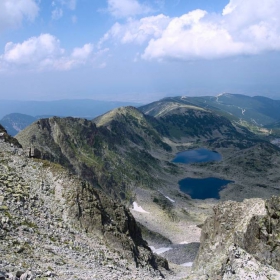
(82, 53)
(43, 53)
(243, 27)
(60, 5)
(189, 37)
(127, 8)
(137, 31)
(57, 13)
(13, 12)
(33, 50)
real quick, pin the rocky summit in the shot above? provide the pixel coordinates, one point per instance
(240, 241)
(55, 226)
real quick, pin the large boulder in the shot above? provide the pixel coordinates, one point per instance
(240, 240)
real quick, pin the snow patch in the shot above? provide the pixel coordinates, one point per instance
(184, 242)
(160, 250)
(166, 196)
(170, 199)
(188, 264)
(138, 208)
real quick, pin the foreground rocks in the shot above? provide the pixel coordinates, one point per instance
(240, 241)
(54, 226)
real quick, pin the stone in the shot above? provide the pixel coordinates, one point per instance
(240, 241)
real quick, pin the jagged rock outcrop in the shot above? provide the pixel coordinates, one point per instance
(5, 137)
(240, 241)
(114, 156)
(53, 225)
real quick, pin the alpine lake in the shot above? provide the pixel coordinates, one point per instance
(200, 188)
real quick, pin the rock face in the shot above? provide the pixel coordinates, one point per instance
(53, 225)
(240, 241)
(113, 157)
(5, 137)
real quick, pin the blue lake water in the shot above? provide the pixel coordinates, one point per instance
(197, 155)
(203, 188)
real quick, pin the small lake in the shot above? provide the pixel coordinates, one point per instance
(197, 155)
(203, 188)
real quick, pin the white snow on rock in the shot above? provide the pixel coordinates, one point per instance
(188, 264)
(184, 242)
(160, 250)
(170, 199)
(138, 208)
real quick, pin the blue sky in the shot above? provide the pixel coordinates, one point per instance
(137, 50)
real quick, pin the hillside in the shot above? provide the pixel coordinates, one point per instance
(114, 158)
(125, 149)
(53, 225)
(127, 154)
(251, 112)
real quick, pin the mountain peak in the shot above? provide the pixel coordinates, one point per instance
(115, 114)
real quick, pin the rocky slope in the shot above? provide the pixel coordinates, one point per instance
(53, 225)
(128, 155)
(115, 156)
(240, 241)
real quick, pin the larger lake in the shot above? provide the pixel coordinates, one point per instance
(203, 188)
(197, 155)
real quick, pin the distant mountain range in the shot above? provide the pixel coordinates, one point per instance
(16, 122)
(16, 115)
(257, 110)
(255, 113)
(83, 108)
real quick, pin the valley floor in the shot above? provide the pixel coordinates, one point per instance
(177, 219)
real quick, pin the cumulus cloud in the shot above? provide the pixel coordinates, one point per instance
(243, 27)
(43, 53)
(82, 53)
(138, 31)
(127, 8)
(13, 12)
